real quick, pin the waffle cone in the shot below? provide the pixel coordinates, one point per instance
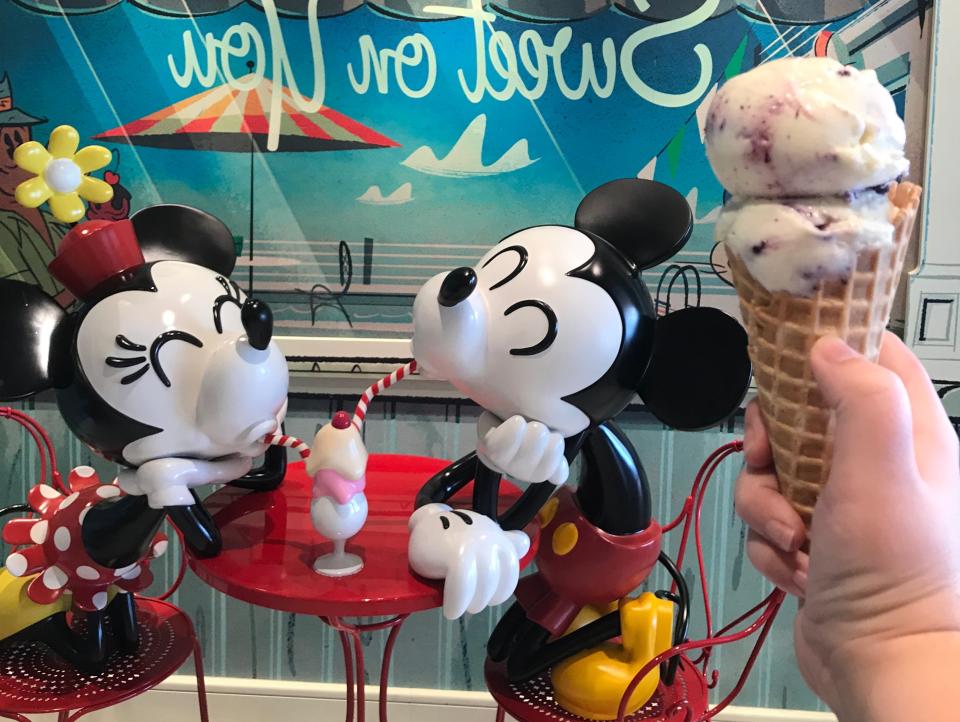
(782, 328)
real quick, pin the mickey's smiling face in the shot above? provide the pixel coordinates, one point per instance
(179, 359)
(555, 324)
(521, 330)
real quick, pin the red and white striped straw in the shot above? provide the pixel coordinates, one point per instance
(373, 391)
(291, 442)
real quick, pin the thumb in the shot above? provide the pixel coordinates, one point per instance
(873, 435)
(520, 542)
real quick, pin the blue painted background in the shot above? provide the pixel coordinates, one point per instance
(113, 67)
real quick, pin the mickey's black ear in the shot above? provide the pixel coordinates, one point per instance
(182, 233)
(699, 371)
(32, 330)
(647, 221)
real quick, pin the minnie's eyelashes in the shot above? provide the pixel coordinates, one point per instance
(135, 375)
(232, 295)
(128, 345)
(121, 362)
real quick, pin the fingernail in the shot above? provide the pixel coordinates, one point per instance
(800, 579)
(834, 350)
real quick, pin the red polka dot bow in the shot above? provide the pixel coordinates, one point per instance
(51, 547)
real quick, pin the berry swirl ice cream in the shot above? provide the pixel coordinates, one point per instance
(804, 127)
(815, 234)
(793, 244)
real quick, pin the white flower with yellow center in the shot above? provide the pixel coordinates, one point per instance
(60, 174)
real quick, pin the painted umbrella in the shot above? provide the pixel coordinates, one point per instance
(230, 120)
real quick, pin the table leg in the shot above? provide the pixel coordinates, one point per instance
(348, 669)
(385, 663)
(355, 666)
(201, 681)
(361, 668)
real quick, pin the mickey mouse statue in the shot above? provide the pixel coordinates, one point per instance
(553, 334)
(164, 367)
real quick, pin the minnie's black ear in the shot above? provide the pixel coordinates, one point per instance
(182, 233)
(699, 371)
(648, 222)
(35, 340)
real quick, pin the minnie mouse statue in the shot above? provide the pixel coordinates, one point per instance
(164, 366)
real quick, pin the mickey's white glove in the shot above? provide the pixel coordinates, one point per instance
(478, 561)
(524, 450)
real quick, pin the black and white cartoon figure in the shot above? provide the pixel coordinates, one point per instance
(165, 367)
(553, 334)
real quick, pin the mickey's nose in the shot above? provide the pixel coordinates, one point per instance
(257, 320)
(455, 288)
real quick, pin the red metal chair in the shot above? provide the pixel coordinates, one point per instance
(687, 698)
(33, 680)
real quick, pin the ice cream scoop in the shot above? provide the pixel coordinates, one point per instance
(792, 244)
(804, 127)
(338, 459)
(815, 236)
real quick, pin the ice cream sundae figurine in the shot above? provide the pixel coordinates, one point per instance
(337, 464)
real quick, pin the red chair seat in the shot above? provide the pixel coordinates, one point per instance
(533, 701)
(33, 680)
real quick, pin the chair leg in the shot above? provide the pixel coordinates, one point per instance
(501, 714)
(201, 681)
(14, 716)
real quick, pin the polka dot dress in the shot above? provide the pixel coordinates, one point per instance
(51, 547)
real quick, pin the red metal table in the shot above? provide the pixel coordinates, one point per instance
(269, 546)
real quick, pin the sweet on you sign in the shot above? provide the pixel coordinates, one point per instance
(357, 148)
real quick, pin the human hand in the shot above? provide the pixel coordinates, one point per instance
(882, 582)
(524, 450)
(478, 561)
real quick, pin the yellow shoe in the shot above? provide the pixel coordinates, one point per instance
(17, 610)
(591, 683)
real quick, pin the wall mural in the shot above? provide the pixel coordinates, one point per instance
(357, 148)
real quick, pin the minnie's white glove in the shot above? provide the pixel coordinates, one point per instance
(167, 482)
(524, 450)
(478, 561)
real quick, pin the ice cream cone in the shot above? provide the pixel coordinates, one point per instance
(782, 328)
